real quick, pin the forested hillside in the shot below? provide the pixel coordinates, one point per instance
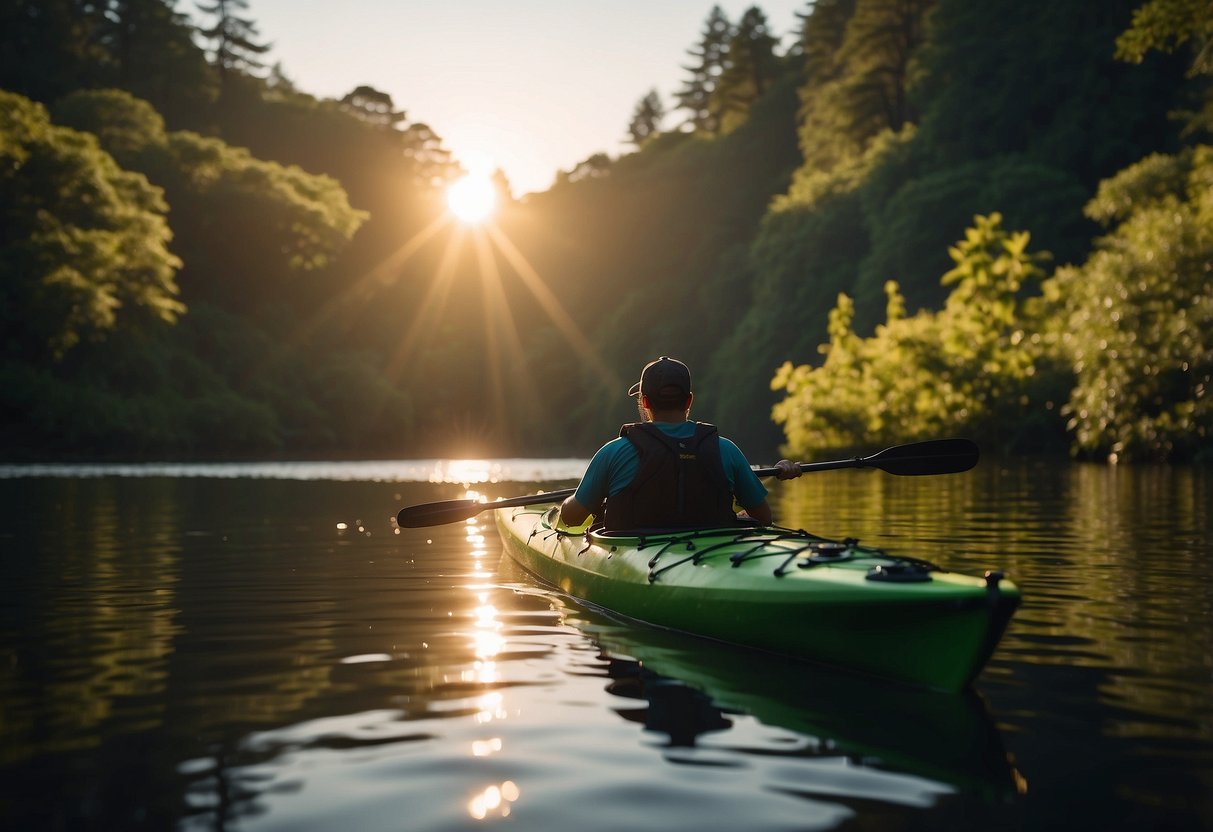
(918, 219)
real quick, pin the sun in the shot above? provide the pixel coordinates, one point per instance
(472, 199)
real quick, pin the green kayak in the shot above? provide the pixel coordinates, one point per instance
(778, 590)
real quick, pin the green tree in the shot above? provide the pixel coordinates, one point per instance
(1053, 90)
(246, 228)
(858, 87)
(83, 243)
(594, 166)
(235, 49)
(806, 252)
(373, 106)
(1166, 25)
(911, 223)
(708, 65)
(126, 126)
(151, 47)
(431, 161)
(433, 166)
(249, 227)
(49, 46)
(1137, 316)
(278, 82)
(750, 68)
(1008, 130)
(867, 207)
(975, 368)
(822, 29)
(646, 119)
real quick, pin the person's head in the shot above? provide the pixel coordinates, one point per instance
(664, 390)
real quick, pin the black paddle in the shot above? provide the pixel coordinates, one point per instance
(935, 456)
(456, 511)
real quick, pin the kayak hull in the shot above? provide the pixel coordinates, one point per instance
(780, 591)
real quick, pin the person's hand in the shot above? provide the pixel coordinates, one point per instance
(786, 469)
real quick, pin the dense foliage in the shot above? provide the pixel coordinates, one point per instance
(1136, 319)
(82, 241)
(199, 259)
(975, 368)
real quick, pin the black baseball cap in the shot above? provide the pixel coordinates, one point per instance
(666, 382)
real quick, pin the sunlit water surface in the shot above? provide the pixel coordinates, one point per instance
(258, 647)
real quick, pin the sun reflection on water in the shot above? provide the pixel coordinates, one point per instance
(466, 470)
(486, 614)
(494, 800)
(490, 708)
(487, 642)
(486, 748)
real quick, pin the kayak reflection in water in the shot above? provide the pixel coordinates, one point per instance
(666, 471)
(672, 707)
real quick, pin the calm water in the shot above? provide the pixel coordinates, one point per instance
(257, 648)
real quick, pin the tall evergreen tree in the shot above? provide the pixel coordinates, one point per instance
(278, 81)
(646, 119)
(858, 86)
(128, 26)
(417, 142)
(709, 63)
(750, 69)
(235, 47)
(880, 49)
(154, 56)
(822, 31)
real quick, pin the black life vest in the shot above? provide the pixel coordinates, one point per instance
(680, 483)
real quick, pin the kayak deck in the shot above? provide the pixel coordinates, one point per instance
(778, 590)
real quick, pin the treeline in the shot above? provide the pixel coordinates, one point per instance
(198, 259)
(1059, 143)
(191, 248)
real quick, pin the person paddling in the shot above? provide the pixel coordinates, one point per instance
(666, 471)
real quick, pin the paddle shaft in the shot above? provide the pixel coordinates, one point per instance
(935, 456)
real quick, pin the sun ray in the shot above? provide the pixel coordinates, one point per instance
(510, 382)
(383, 273)
(435, 298)
(493, 298)
(554, 309)
(498, 315)
(347, 302)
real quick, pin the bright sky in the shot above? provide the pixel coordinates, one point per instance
(535, 86)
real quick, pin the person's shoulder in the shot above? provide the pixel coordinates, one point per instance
(614, 446)
(725, 442)
(729, 450)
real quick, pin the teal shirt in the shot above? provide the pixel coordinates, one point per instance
(616, 463)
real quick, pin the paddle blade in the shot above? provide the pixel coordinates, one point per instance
(934, 456)
(439, 514)
(456, 511)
